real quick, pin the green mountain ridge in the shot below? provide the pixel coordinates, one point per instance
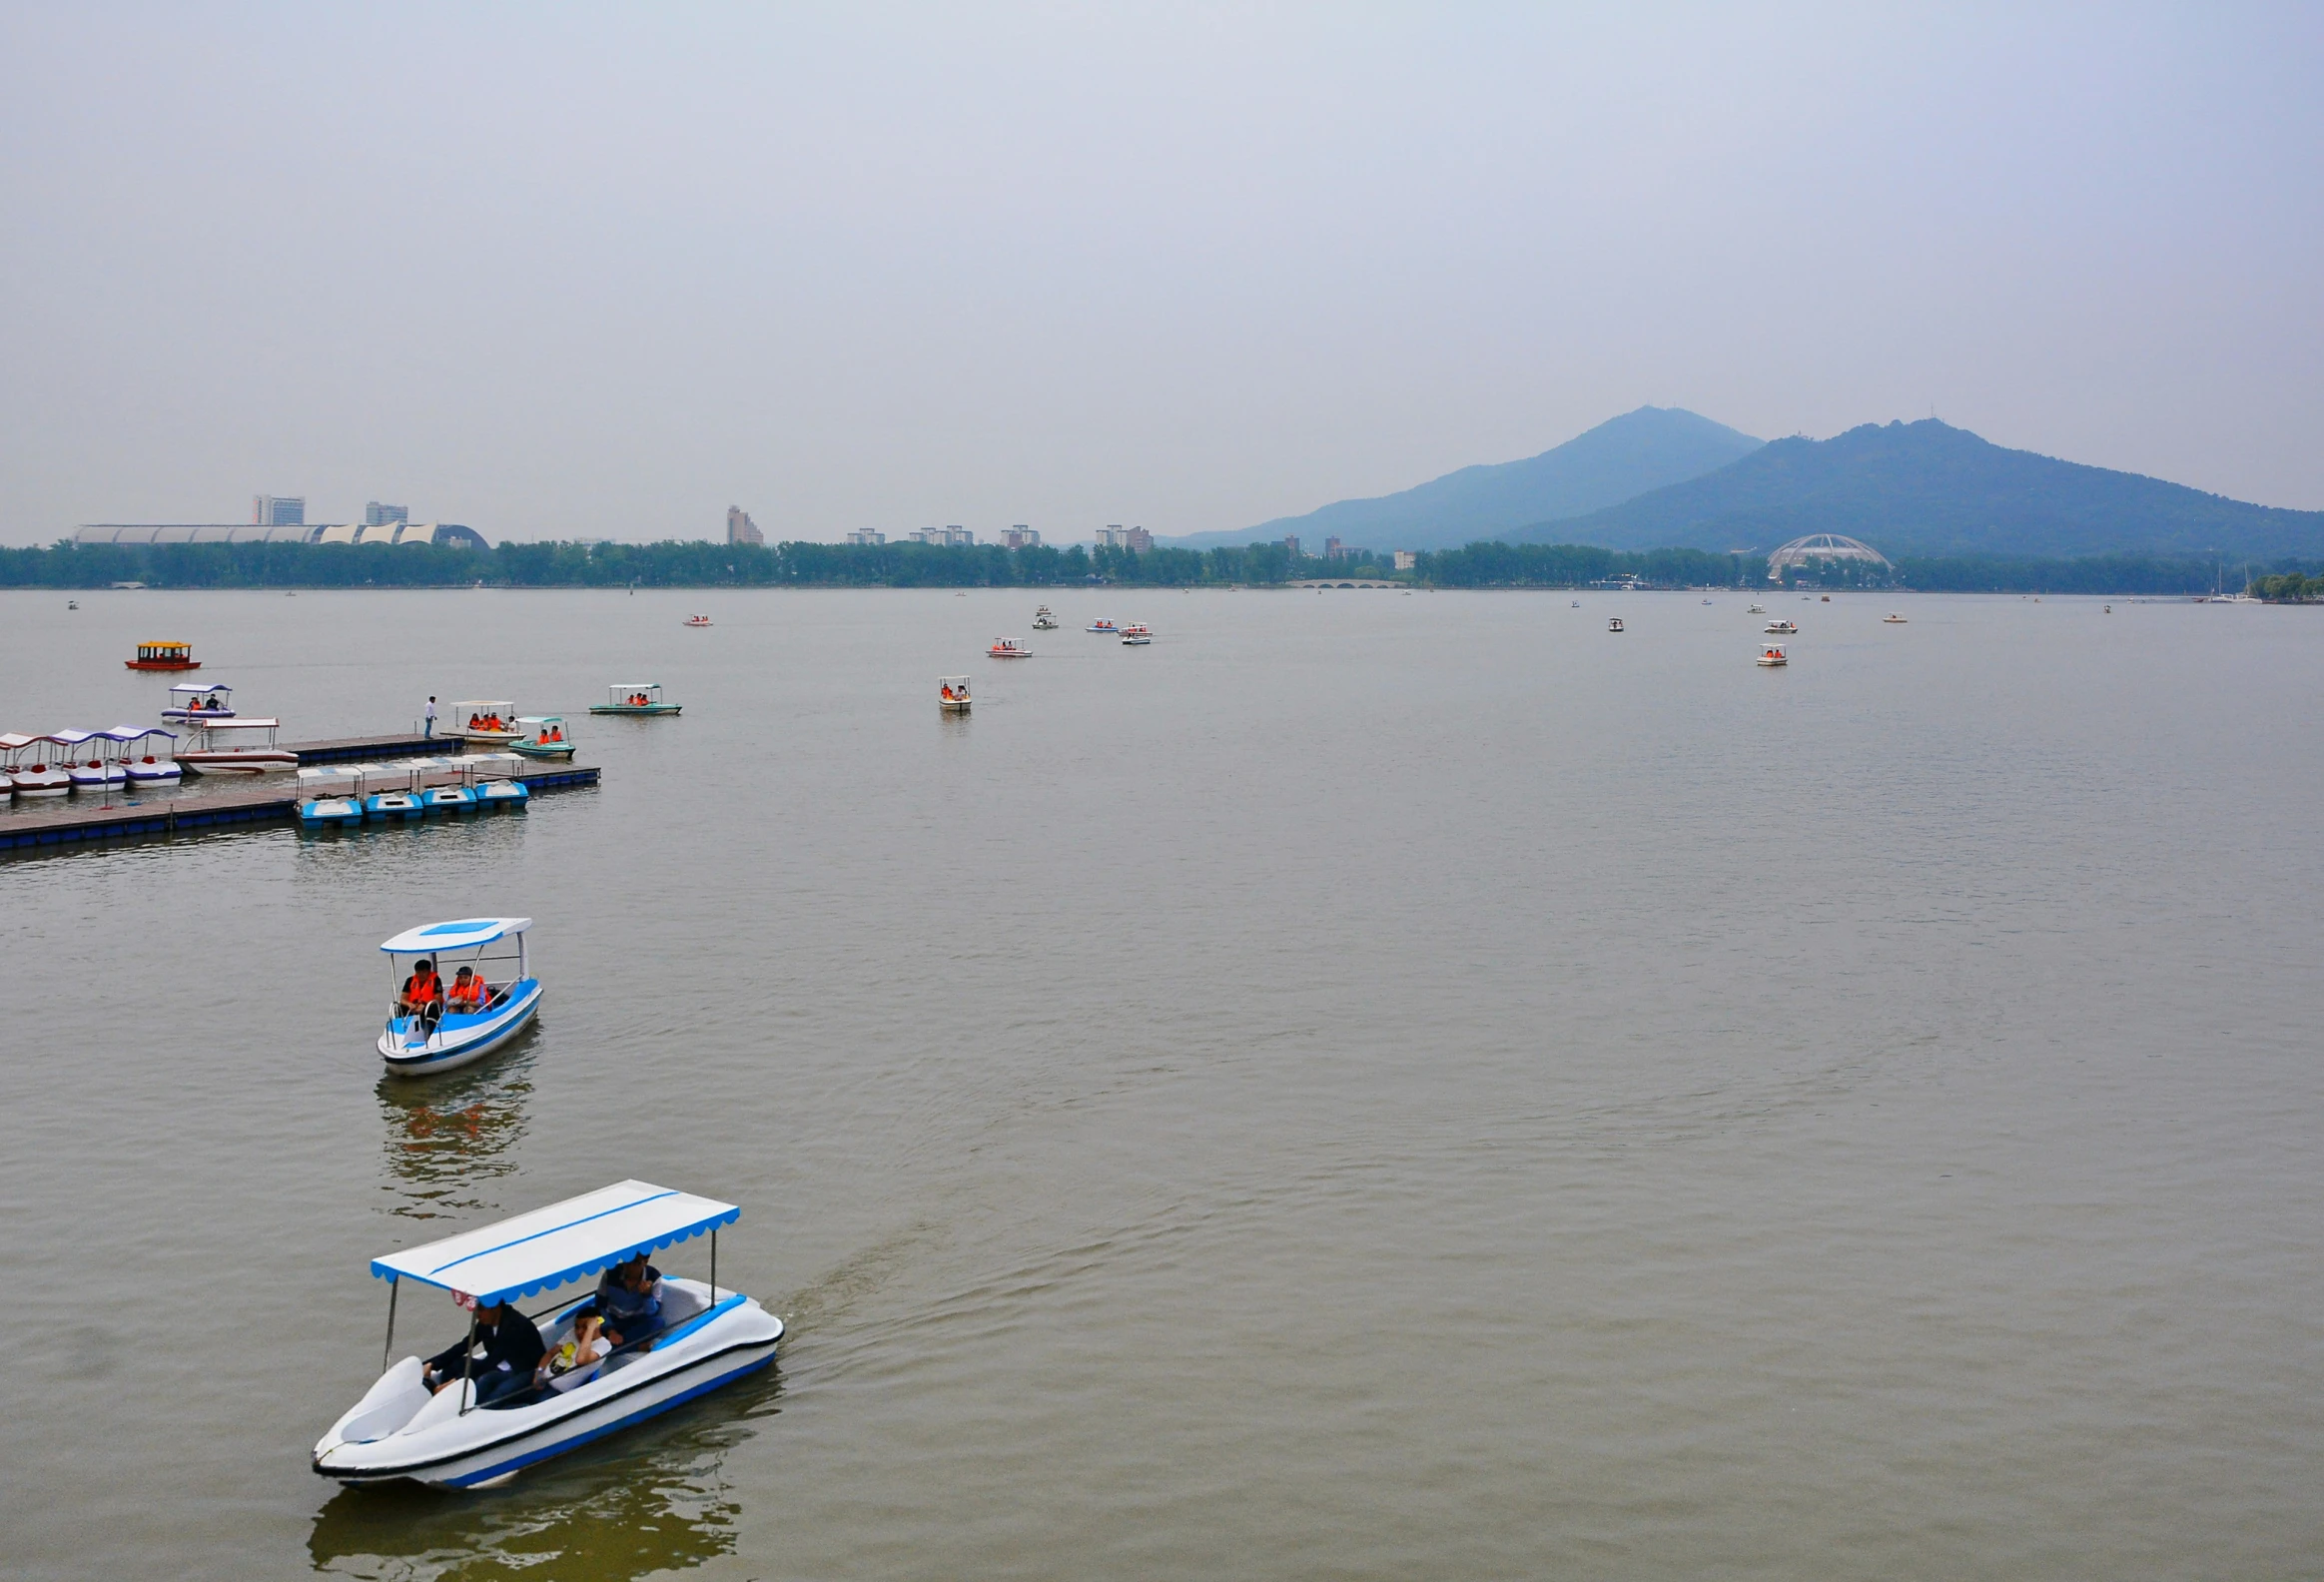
(1927, 488)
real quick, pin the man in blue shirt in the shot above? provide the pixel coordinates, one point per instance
(630, 1297)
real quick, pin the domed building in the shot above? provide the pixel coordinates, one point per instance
(1854, 556)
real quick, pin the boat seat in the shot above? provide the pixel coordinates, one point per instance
(679, 1304)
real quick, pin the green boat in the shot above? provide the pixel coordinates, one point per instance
(637, 697)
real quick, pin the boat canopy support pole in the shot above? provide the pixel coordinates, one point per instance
(468, 1365)
(713, 1266)
(388, 1350)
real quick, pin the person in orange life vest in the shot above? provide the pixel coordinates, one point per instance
(423, 993)
(466, 996)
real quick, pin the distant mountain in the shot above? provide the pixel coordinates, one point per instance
(1928, 488)
(1619, 458)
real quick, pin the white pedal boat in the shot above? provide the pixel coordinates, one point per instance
(420, 1044)
(143, 766)
(709, 1336)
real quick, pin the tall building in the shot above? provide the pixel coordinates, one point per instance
(1407, 560)
(867, 535)
(954, 535)
(740, 528)
(1111, 536)
(278, 510)
(1137, 540)
(1021, 537)
(378, 516)
(1292, 544)
(1333, 549)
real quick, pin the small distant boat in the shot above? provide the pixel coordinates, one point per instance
(697, 620)
(148, 767)
(245, 746)
(1893, 618)
(1043, 620)
(1783, 628)
(634, 698)
(403, 805)
(1827, 599)
(1137, 635)
(190, 701)
(1614, 623)
(72, 604)
(163, 656)
(1008, 648)
(1756, 609)
(1102, 627)
(1705, 601)
(437, 1033)
(491, 721)
(1773, 655)
(1577, 603)
(544, 737)
(2106, 609)
(952, 695)
(35, 768)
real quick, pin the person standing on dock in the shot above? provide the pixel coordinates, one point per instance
(431, 731)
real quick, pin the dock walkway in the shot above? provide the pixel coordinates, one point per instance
(69, 826)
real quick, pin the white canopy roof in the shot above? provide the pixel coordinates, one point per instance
(130, 733)
(205, 688)
(454, 936)
(564, 1241)
(252, 723)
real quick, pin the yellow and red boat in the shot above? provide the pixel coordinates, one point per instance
(163, 656)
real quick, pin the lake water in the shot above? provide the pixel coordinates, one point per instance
(1371, 1086)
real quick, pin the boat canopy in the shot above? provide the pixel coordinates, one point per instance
(454, 936)
(199, 689)
(500, 706)
(540, 719)
(566, 1241)
(241, 724)
(10, 741)
(69, 738)
(635, 686)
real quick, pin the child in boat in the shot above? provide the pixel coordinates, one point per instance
(576, 1361)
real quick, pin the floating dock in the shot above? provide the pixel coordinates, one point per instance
(70, 826)
(348, 749)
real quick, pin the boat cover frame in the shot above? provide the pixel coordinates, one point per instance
(430, 938)
(564, 1241)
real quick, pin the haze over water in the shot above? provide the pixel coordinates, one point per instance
(1367, 1086)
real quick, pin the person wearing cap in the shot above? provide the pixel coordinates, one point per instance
(423, 993)
(506, 1345)
(466, 996)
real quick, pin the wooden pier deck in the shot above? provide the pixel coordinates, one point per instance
(184, 815)
(346, 749)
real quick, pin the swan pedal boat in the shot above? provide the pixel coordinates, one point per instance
(414, 1047)
(709, 1336)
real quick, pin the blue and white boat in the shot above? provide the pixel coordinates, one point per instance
(140, 760)
(322, 812)
(449, 799)
(394, 805)
(189, 701)
(709, 1338)
(423, 1039)
(504, 793)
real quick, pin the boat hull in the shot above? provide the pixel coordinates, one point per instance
(635, 709)
(157, 664)
(451, 1048)
(531, 750)
(344, 812)
(163, 775)
(264, 761)
(734, 1340)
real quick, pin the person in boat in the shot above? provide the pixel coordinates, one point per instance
(575, 1360)
(423, 995)
(467, 993)
(507, 1351)
(630, 1297)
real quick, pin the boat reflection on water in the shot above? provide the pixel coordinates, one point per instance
(448, 1136)
(652, 1499)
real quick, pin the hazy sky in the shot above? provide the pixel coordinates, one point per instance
(575, 270)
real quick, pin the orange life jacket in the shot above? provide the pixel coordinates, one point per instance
(470, 994)
(425, 988)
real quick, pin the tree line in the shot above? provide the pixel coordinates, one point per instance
(698, 564)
